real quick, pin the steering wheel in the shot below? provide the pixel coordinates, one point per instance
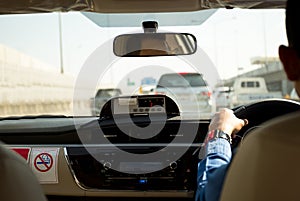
(260, 112)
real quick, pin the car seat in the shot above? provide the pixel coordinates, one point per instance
(267, 165)
(17, 180)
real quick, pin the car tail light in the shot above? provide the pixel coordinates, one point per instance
(207, 93)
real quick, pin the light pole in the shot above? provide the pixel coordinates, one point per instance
(265, 39)
(60, 44)
(240, 69)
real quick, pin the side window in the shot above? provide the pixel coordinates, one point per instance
(251, 84)
(243, 84)
(98, 93)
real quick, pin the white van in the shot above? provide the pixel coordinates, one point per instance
(250, 89)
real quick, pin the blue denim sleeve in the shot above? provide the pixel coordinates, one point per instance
(212, 170)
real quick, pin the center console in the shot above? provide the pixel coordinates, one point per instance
(179, 175)
(101, 166)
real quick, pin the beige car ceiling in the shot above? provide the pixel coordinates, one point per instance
(129, 6)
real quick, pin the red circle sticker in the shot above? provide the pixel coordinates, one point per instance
(43, 162)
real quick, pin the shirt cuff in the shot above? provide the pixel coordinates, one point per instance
(219, 146)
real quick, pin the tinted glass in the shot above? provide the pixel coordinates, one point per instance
(181, 80)
(108, 92)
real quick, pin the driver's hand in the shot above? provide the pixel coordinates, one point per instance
(226, 121)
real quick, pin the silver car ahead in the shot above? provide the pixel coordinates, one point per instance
(190, 91)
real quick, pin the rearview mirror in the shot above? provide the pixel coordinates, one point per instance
(154, 44)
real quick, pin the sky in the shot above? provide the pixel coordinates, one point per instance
(230, 38)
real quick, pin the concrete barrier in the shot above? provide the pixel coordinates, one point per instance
(31, 87)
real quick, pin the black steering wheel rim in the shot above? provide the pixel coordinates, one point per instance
(260, 112)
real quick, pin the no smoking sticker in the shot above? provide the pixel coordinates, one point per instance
(44, 164)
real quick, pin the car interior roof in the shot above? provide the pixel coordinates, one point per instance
(130, 6)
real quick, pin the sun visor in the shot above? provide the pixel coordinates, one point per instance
(130, 6)
(243, 3)
(38, 6)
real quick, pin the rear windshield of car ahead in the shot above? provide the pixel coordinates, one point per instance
(108, 92)
(181, 80)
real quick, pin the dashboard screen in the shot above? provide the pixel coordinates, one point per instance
(138, 105)
(151, 102)
(140, 166)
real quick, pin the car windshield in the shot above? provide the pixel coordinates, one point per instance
(54, 63)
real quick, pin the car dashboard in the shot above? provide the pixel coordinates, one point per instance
(114, 156)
